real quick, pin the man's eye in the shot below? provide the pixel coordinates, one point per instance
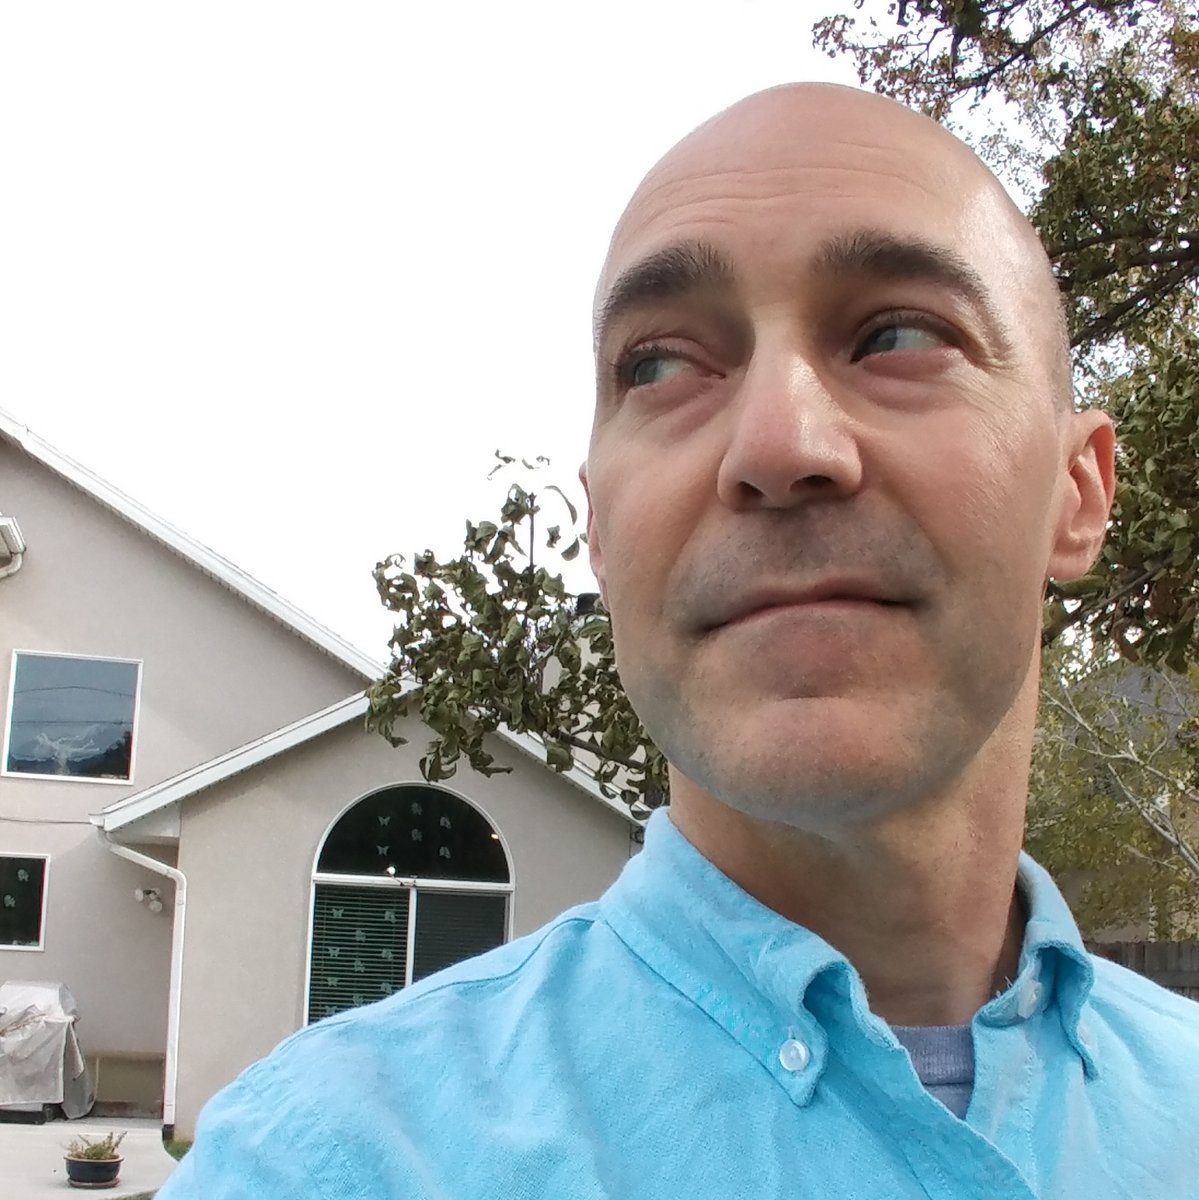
(898, 336)
(650, 366)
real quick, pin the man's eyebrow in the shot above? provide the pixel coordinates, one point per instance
(689, 267)
(883, 256)
(667, 274)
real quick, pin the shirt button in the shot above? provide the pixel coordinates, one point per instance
(1030, 999)
(794, 1055)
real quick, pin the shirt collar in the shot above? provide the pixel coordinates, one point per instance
(710, 939)
(1054, 953)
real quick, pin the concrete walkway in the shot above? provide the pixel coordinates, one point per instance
(32, 1167)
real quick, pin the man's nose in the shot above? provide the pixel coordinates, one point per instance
(790, 440)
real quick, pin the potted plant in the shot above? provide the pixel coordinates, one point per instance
(94, 1162)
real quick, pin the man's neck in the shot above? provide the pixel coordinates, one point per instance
(922, 903)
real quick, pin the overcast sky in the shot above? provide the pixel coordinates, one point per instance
(290, 273)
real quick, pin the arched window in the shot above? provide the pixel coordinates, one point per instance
(410, 880)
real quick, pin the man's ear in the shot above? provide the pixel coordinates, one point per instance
(594, 549)
(1086, 498)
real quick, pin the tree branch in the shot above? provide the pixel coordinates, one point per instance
(1143, 234)
(1085, 610)
(984, 79)
(1148, 259)
(1153, 291)
(1102, 749)
(591, 747)
(1160, 822)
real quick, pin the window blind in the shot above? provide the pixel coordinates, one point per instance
(359, 946)
(451, 926)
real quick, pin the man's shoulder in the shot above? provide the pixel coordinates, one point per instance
(393, 1090)
(545, 975)
(1143, 1011)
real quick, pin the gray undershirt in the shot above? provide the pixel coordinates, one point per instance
(943, 1057)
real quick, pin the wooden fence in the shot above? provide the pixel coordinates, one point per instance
(1175, 965)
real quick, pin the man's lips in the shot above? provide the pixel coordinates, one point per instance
(827, 596)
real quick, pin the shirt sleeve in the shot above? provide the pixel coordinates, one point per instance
(259, 1139)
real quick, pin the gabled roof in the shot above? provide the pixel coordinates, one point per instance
(212, 564)
(205, 775)
(196, 779)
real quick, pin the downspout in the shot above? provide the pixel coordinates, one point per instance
(13, 567)
(170, 1081)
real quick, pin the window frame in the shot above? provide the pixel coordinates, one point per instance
(413, 885)
(41, 928)
(5, 773)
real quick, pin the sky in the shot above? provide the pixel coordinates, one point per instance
(289, 274)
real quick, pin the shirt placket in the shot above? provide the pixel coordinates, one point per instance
(950, 1159)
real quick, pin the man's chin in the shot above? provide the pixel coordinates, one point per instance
(806, 762)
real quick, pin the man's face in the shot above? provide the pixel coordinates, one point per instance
(826, 468)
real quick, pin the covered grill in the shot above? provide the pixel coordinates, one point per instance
(40, 1059)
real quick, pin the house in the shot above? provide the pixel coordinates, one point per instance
(197, 834)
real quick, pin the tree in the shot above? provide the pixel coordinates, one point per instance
(1114, 808)
(1099, 130)
(492, 639)
(1091, 108)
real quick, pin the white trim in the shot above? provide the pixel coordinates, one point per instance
(306, 994)
(411, 881)
(579, 776)
(205, 775)
(410, 938)
(199, 555)
(41, 929)
(137, 707)
(215, 770)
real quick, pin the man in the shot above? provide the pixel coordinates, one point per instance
(833, 464)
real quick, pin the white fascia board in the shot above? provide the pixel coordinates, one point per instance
(188, 783)
(208, 561)
(579, 776)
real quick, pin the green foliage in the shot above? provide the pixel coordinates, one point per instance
(1114, 797)
(491, 640)
(96, 1149)
(1092, 107)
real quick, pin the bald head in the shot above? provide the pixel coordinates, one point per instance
(808, 137)
(830, 469)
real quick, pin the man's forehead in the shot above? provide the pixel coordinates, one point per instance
(779, 149)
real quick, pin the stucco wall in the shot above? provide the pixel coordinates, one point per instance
(247, 849)
(217, 673)
(109, 950)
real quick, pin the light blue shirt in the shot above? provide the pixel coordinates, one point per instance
(676, 1040)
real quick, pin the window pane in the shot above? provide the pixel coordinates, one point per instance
(72, 716)
(451, 926)
(417, 832)
(359, 947)
(21, 884)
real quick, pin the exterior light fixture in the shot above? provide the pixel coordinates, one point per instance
(12, 546)
(149, 897)
(10, 535)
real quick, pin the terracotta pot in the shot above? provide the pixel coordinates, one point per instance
(93, 1172)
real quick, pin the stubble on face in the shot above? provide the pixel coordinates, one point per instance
(819, 715)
